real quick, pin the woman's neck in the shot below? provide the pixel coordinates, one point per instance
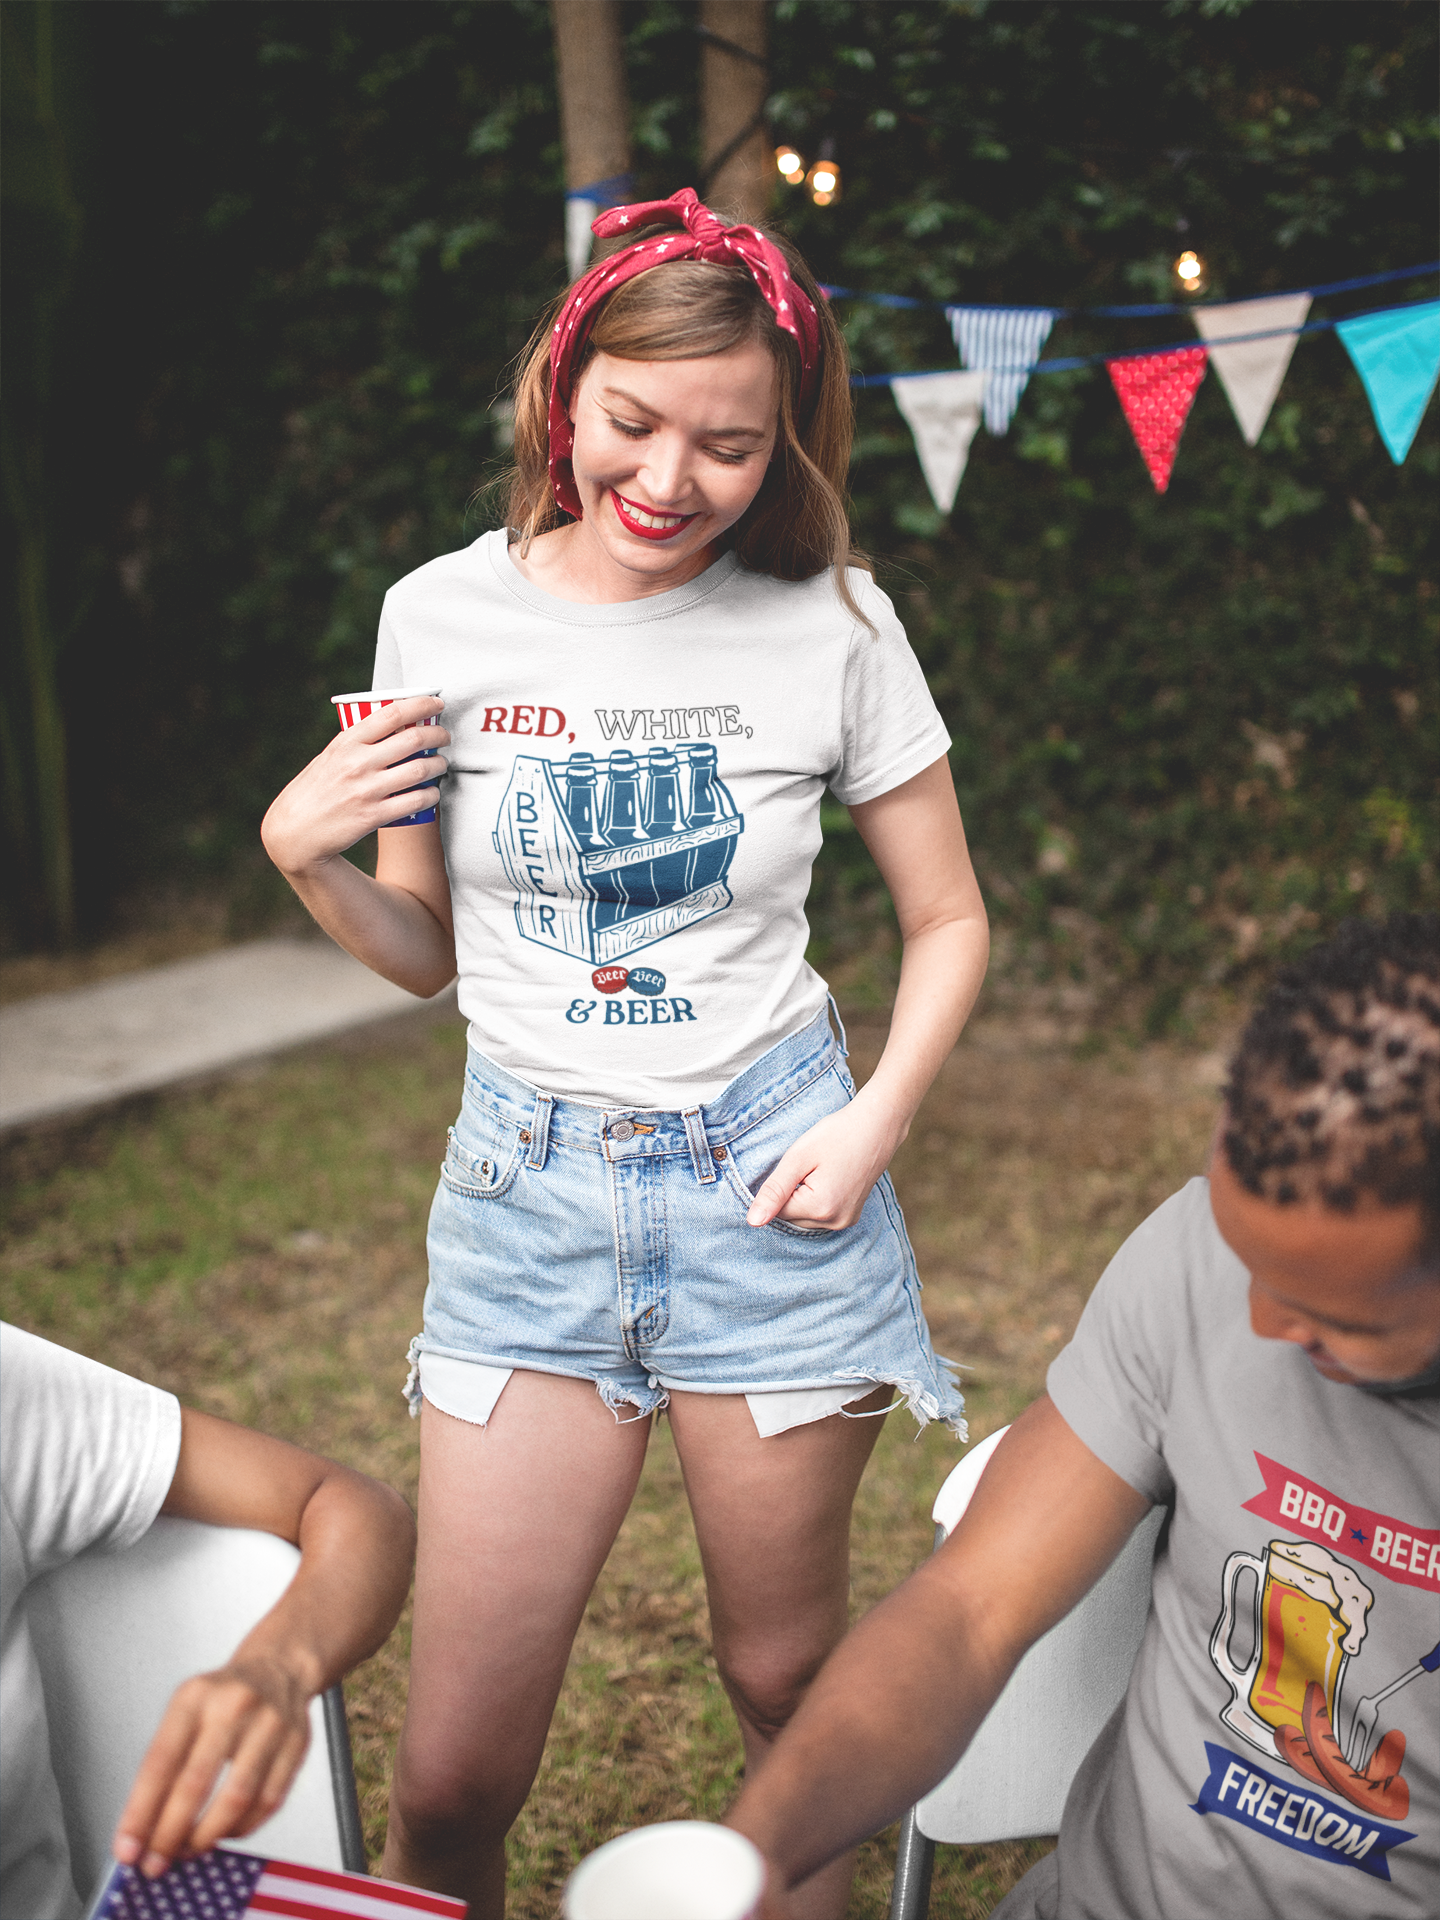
(571, 564)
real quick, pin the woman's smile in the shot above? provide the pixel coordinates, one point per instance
(647, 521)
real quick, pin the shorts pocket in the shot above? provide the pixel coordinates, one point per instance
(747, 1200)
(484, 1165)
(762, 1147)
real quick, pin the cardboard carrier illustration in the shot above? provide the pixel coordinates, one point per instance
(610, 858)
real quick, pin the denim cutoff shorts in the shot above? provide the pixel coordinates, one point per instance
(609, 1244)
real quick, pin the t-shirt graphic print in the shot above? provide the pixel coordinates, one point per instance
(610, 857)
(632, 807)
(1293, 1619)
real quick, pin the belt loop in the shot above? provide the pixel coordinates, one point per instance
(835, 1013)
(540, 1132)
(699, 1146)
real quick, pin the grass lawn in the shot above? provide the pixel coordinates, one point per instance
(257, 1247)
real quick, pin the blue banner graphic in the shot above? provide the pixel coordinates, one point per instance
(1297, 1816)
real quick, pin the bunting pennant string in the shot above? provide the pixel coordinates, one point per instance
(1395, 350)
(943, 413)
(1397, 356)
(1252, 364)
(1000, 339)
(1133, 312)
(1156, 393)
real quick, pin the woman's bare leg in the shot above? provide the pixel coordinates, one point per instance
(773, 1521)
(516, 1519)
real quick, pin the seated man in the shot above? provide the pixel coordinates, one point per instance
(1262, 1357)
(88, 1457)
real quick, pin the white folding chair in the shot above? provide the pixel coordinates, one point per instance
(1011, 1781)
(116, 1633)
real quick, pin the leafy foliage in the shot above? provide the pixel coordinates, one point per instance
(1188, 730)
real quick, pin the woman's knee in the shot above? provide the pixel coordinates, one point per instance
(766, 1682)
(446, 1804)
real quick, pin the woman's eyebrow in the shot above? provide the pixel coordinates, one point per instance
(710, 433)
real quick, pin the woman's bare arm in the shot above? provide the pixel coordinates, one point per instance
(918, 842)
(400, 923)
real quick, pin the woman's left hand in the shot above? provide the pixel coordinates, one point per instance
(825, 1179)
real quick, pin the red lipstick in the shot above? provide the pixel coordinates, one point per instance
(627, 510)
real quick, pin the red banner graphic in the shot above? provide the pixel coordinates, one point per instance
(1396, 1548)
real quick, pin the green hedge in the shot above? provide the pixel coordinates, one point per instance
(1189, 729)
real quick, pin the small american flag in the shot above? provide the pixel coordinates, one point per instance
(222, 1885)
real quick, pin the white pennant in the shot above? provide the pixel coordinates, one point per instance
(1252, 370)
(943, 411)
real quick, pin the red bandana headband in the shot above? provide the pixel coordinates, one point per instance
(702, 237)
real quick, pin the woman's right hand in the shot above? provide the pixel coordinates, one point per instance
(350, 788)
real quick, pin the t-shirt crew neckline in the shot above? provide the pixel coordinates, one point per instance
(611, 613)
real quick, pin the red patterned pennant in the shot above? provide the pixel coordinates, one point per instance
(1157, 391)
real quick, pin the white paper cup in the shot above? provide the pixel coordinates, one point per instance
(679, 1870)
(352, 708)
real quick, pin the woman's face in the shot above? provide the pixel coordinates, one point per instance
(669, 454)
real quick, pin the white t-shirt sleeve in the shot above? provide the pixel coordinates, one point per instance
(88, 1453)
(891, 729)
(389, 668)
(87, 1456)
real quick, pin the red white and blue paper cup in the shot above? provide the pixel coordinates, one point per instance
(355, 707)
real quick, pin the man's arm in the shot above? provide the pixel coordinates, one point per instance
(898, 1701)
(357, 1543)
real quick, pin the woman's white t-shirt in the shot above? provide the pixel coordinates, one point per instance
(633, 806)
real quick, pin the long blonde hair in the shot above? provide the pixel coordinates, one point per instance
(797, 525)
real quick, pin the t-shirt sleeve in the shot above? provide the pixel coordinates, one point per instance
(88, 1453)
(890, 728)
(389, 667)
(1112, 1384)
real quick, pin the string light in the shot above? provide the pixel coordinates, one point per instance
(790, 165)
(1189, 272)
(823, 179)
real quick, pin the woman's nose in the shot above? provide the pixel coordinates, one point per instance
(665, 472)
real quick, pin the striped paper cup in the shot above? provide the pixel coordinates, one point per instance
(352, 708)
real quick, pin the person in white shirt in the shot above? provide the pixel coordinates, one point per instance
(88, 1458)
(662, 1189)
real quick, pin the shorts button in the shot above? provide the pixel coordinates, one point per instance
(623, 1130)
(719, 1153)
(524, 1136)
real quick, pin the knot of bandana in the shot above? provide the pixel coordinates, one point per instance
(701, 237)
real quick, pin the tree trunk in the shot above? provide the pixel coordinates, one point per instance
(732, 99)
(594, 115)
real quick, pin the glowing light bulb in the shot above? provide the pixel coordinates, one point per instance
(790, 165)
(1189, 271)
(823, 181)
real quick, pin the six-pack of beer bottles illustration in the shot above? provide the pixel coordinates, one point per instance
(608, 857)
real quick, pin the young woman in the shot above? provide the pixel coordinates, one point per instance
(662, 1189)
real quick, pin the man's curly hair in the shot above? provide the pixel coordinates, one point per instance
(1334, 1090)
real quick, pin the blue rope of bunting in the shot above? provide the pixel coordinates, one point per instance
(613, 192)
(1072, 362)
(1127, 313)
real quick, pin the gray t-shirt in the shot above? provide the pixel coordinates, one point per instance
(633, 806)
(1302, 1545)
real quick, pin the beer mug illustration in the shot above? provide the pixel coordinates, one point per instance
(1309, 1617)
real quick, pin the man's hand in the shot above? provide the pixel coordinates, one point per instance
(247, 1725)
(249, 1719)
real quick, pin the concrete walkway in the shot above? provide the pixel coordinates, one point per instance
(64, 1053)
